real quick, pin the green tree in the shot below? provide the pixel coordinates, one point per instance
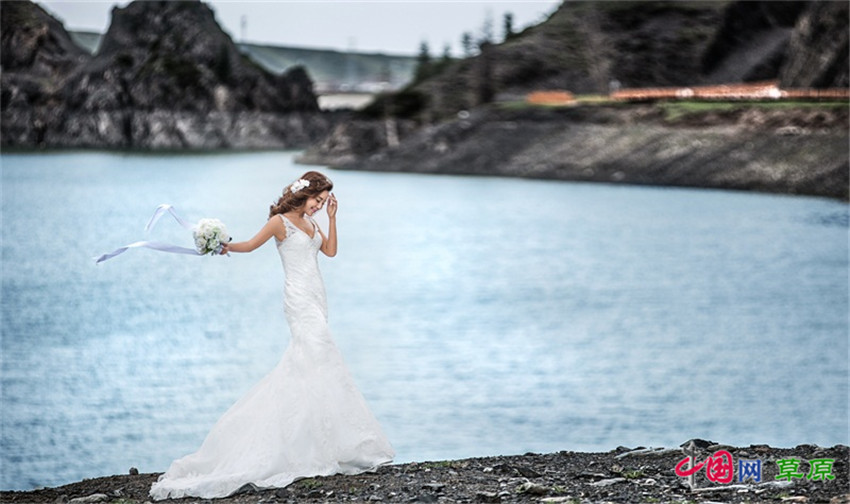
(447, 53)
(508, 25)
(484, 91)
(467, 44)
(423, 61)
(486, 30)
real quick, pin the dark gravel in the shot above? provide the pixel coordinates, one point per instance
(624, 475)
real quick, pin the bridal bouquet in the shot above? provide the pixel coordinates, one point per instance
(210, 235)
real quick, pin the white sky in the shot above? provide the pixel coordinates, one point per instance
(395, 27)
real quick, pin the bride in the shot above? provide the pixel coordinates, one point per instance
(306, 417)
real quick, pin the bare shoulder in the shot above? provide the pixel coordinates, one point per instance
(276, 226)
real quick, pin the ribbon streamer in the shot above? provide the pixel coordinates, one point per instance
(162, 247)
(160, 211)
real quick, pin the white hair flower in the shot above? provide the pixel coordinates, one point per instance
(298, 185)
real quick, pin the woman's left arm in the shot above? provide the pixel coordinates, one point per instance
(329, 242)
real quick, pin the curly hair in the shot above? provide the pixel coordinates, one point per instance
(291, 200)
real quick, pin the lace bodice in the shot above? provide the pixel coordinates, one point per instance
(304, 288)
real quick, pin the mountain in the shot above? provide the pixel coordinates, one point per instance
(165, 76)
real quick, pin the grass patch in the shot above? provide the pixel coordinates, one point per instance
(674, 110)
(677, 109)
(442, 464)
(310, 484)
(633, 474)
(594, 99)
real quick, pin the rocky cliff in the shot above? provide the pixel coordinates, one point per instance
(818, 50)
(166, 76)
(36, 44)
(800, 150)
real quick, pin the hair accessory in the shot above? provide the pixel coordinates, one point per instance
(298, 185)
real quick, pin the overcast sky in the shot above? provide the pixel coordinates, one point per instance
(396, 27)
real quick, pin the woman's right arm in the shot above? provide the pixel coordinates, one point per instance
(274, 227)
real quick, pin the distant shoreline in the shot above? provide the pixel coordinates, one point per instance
(801, 149)
(782, 148)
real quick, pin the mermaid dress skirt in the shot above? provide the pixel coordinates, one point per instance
(305, 418)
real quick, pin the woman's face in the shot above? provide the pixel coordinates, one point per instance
(315, 203)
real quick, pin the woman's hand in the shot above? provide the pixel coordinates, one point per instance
(332, 206)
(329, 242)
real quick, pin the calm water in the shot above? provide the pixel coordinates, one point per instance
(479, 316)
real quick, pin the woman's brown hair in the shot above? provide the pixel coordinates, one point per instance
(291, 200)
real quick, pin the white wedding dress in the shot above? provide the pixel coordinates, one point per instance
(305, 418)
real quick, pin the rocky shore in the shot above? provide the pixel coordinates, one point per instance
(789, 149)
(623, 475)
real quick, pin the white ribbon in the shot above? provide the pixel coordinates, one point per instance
(160, 210)
(162, 247)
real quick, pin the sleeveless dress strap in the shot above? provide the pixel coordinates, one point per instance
(313, 222)
(290, 227)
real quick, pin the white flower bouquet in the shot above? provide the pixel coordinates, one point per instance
(210, 236)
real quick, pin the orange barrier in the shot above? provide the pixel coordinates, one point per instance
(820, 94)
(747, 91)
(551, 98)
(769, 90)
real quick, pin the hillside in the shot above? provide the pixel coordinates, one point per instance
(591, 47)
(471, 117)
(165, 76)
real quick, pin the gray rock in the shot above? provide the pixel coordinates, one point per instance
(648, 452)
(488, 497)
(527, 472)
(425, 499)
(532, 489)
(98, 497)
(607, 482)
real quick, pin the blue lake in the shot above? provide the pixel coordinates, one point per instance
(479, 316)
